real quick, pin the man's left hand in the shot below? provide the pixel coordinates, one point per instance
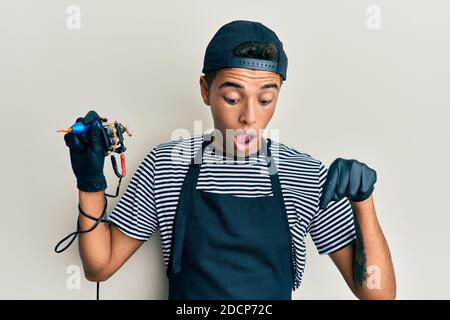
(348, 178)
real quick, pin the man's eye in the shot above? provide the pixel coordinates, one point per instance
(265, 102)
(231, 101)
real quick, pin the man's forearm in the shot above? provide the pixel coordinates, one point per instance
(373, 269)
(94, 246)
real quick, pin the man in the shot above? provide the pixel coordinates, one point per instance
(233, 207)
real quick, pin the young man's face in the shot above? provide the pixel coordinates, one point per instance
(242, 103)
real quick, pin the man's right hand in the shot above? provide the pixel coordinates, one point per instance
(87, 155)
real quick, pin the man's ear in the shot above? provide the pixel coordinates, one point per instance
(204, 90)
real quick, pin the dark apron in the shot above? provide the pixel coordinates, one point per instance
(226, 247)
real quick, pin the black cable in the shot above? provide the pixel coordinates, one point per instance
(113, 160)
(117, 190)
(97, 220)
(78, 231)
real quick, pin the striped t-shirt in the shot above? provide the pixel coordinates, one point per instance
(151, 198)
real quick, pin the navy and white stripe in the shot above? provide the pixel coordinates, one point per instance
(151, 198)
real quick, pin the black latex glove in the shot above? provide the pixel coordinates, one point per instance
(348, 178)
(87, 155)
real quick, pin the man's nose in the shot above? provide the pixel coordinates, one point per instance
(248, 114)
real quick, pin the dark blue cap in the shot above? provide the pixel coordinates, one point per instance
(220, 51)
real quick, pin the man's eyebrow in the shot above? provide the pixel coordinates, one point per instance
(238, 86)
(270, 85)
(231, 84)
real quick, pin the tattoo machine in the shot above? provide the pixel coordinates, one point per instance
(112, 135)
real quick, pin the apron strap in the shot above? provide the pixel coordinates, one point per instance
(197, 160)
(278, 194)
(273, 173)
(179, 225)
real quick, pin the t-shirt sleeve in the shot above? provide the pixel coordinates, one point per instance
(135, 213)
(332, 228)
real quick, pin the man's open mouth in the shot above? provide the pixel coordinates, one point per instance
(244, 142)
